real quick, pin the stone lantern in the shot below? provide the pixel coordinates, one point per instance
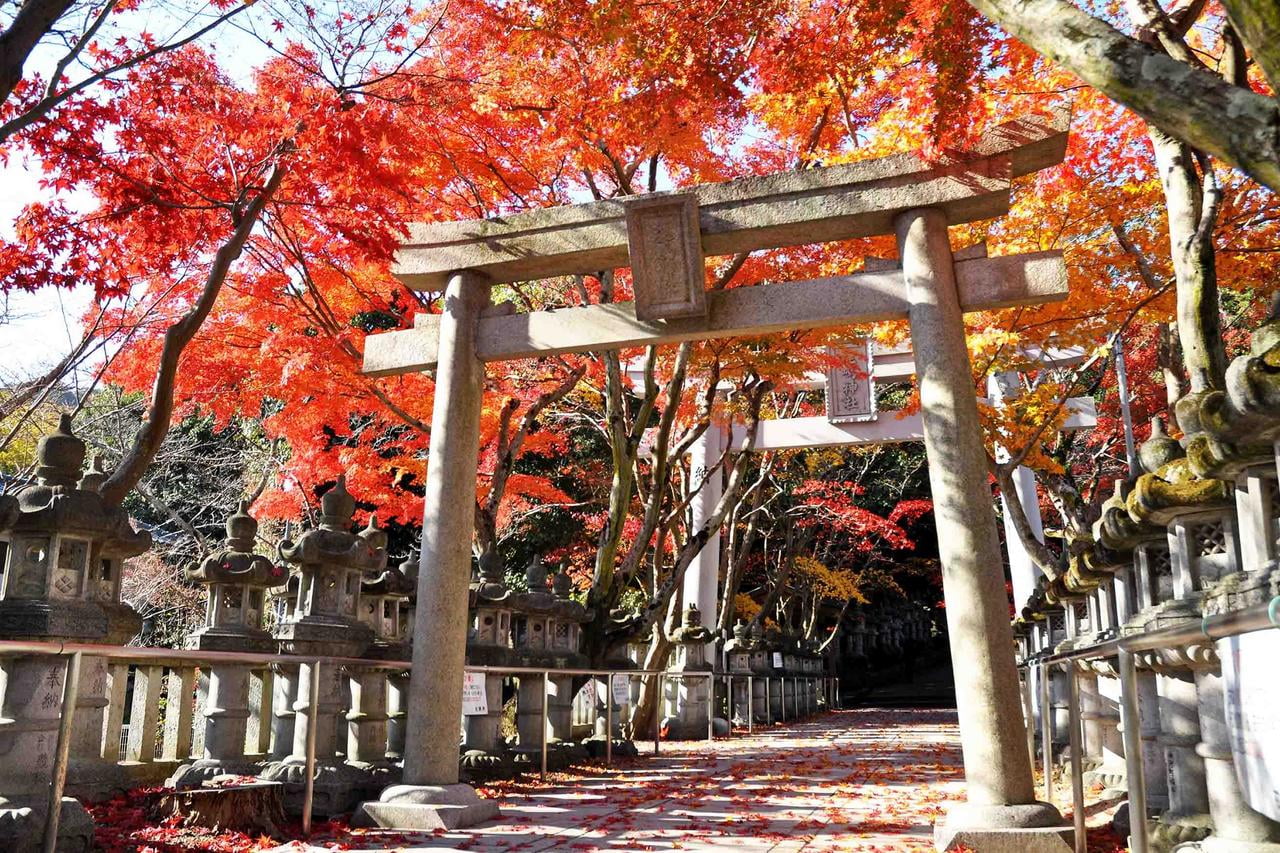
(330, 562)
(686, 698)
(488, 644)
(567, 619)
(62, 573)
(238, 581)
(533, 623)
(382, 600)
(740, 649)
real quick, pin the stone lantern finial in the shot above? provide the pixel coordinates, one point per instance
(337, 507)
(61, 455)
(375, 537)
(536, 575)
(93, 478)
(1158, 450)
(242, 529)
(561, 585)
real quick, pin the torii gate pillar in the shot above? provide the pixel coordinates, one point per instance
(1000, 790)
(430, 796)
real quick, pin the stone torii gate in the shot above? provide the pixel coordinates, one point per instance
(664, 238)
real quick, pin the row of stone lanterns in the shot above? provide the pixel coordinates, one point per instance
(1193, 535)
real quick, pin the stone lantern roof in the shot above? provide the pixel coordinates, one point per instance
(67, 547)
(61, 500)
(237, 563)
(333, 543)
(691, 629)
(332, 562)
(742, 640)
(237, 579)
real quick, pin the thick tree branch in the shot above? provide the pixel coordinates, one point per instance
(155, 423)
(1232, 123)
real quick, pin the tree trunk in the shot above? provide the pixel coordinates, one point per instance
(1233, 123)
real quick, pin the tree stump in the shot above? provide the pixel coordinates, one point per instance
(252, 807)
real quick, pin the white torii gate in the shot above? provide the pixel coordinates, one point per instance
(857, 423)
(664, 238)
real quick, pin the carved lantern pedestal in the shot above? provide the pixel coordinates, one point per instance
(382, 602)
(484, 752)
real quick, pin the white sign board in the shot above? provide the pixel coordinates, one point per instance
(621, 690)
(777, 660)
(851, 390)
(1253, 715)
(475, 701)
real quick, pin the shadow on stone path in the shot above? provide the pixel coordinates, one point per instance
(860, 780)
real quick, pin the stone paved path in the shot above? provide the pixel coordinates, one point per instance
(865, 780)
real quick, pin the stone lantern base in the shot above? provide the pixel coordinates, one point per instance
(22, 826)
(1028, 828)
(426, 807)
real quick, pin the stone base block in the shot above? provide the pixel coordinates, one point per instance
(1026, 828)
(426, 807)
(22, 827)
(337, 786)
(198, 772)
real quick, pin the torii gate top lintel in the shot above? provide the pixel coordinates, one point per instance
(764, 212)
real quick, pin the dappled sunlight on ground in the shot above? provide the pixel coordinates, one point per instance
(865, 780)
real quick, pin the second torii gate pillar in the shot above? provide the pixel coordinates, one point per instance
(1001, 808)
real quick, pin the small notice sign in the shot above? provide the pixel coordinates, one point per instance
(1248, 675)
(621, 691)
(777, 660)
(475, 701)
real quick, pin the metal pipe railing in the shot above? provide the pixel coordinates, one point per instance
(1211, 628)
(177, 658)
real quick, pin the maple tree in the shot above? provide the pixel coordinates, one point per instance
(366, 115)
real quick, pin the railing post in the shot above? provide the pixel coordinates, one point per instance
(546, 690)
(1077, 756)
(179, 714)
(313, 713)
(1132, 730)
(608, 720)
(657, 715)
(1028, 714)
(751, 711)
(711, 696)
(1046, 733)
(145, 716)
(119, 674)
(782, 696)
(70, 690)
